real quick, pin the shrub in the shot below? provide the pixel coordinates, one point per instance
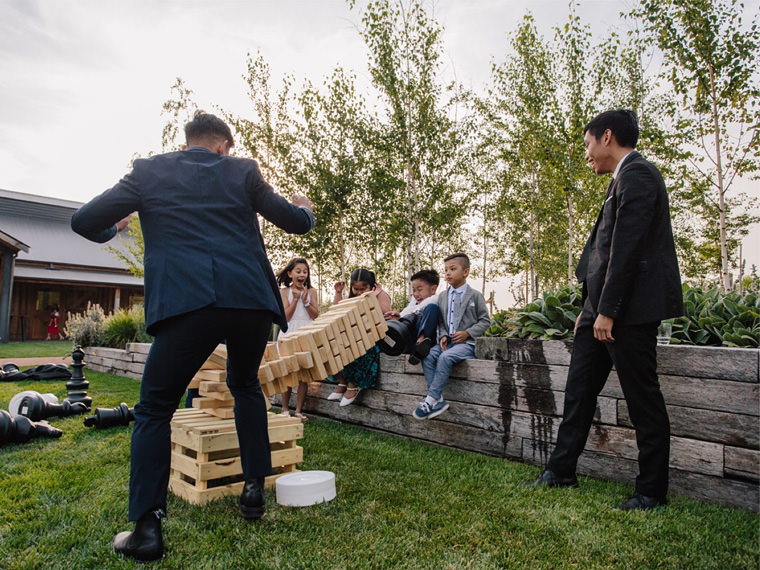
(715, 318)
(550, 317)
(125, 326)
(86, 329)
(712, 318)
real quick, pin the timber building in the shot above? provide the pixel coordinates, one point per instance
(44, 264)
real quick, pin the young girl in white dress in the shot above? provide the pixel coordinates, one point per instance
(301, 307)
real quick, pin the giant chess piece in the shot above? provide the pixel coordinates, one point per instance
(104, 418)
(20, 429)
(36, 407)
(77, 386)
(401, 336)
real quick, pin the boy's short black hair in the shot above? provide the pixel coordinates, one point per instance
(464, 260)
(428, 276)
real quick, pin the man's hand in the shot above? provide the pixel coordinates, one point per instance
(123, 223)
(603, 328)
(303, 201)
(392, 315)
(577, 320)
(444, 341)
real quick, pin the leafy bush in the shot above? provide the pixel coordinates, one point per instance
(550, 317)
(712, 318)
(123, 327)
(86, 329)
(715, 318)
(94, 328)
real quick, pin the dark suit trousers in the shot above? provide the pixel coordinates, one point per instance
(182, 344)
(634, 354)
(427, 323)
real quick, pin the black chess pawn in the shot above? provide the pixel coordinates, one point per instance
(104, 418)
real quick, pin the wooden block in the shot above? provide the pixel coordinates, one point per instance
(270, 352)
(305, 359)
(265, 373)
(205, 403)
(268, 389)
(218, 358)
(307, 343)
(212, 375)
(292, 363)
(278, 367)
(226, 413)
(207, 386)
(224, 398)
(194, 383)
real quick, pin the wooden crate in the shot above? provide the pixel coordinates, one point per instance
(206, 456)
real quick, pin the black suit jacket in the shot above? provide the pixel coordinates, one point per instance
(629, 268)
(203, 246)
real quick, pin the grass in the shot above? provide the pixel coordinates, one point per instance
(400, 504)
(33, 349)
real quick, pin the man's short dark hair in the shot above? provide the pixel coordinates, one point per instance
(428, 276)
(205, 125)
(463, 259)
(621, 122)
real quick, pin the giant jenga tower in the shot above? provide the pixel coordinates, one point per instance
(205, 452)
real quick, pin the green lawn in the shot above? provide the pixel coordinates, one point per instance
(400, 504)
(39, 348)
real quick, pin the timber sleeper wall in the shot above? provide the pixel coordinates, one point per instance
(508, 403)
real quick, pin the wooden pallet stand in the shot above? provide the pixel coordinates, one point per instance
(206, 455)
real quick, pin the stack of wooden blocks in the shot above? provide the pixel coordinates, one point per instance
(205, 452)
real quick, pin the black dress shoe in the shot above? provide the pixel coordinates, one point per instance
(639, 502)
(550, 479)
(421, 350)
(146, 542)
(253, 500)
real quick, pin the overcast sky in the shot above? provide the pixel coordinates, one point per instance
(82, 81)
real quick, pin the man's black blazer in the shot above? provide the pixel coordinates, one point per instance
(629, 267)
(203, 245)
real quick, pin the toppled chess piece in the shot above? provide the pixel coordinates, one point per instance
(35, 407)
(20, 429)
(104, 418)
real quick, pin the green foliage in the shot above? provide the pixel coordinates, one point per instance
(86, 328)
(710, 54)
(715, 318)
(94, 328)
(712, 318)
(125, 326)
(132, 250)
(550, 317)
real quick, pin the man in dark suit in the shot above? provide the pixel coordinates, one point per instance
(207, 279)
(631, 281)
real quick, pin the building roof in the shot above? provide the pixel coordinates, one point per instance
(74, 276)
(43, 224)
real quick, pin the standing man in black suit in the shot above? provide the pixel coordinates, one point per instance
(631, 281)
(207, 279)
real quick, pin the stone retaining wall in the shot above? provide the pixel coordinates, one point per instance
(508, 403)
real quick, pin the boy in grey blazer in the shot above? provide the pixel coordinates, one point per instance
(463, 317)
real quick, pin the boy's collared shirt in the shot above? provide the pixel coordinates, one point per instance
(415, 308)
(460, 291)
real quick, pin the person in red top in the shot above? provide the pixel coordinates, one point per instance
(53, 325)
